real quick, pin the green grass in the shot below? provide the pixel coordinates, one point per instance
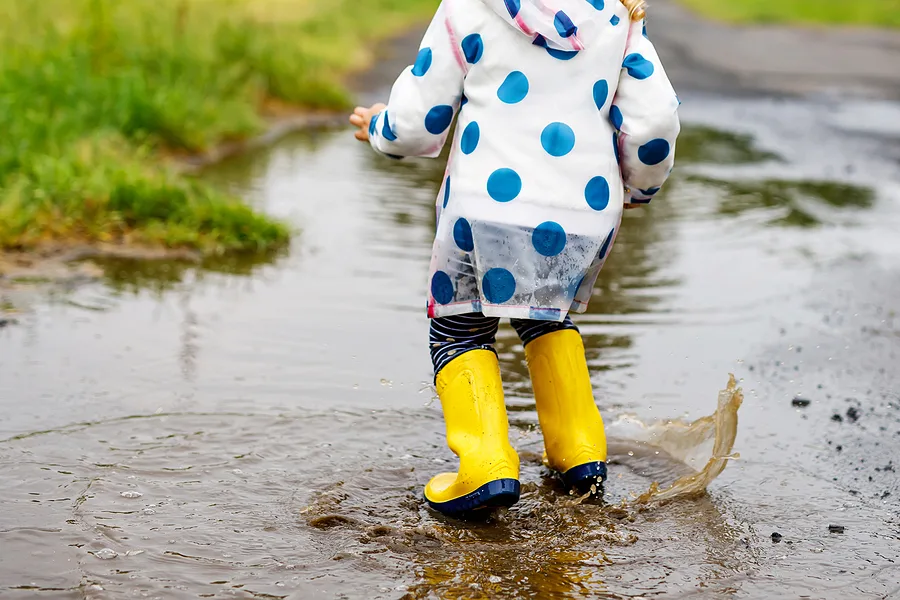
(882, 13)
(95, 94)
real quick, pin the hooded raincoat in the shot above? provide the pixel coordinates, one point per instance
(564, 113)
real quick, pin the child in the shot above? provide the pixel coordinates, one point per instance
(565, 116)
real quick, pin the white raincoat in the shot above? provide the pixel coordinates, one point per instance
(564, 114)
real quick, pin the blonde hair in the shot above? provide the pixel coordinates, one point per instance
(636, 8)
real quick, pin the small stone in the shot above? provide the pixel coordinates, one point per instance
(835, 529)
(839, 448)
(837, 418)
(800, 402)
(853, 414)
(776, 537)
(495, 579)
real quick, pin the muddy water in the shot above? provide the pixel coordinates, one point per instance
(264, 430)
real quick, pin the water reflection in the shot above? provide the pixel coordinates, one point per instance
(801, 204)
(157, 276)
(699, 144)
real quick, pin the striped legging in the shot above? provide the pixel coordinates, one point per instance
(452, 336)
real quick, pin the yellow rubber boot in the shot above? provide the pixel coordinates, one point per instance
(574, 437)
(478, 433)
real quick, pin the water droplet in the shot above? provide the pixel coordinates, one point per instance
(131, 494)
(279, 584)
(355, 386)
(630, 453)
(105, 554)
(134, 552)
(495, 579)
(387, 382)
(149, 511)
(237, 471)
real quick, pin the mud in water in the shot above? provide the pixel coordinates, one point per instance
(263, 429)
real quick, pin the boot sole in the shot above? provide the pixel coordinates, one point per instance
(494, 494)
(584, 476)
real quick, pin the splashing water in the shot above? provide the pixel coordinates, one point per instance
(688, 443)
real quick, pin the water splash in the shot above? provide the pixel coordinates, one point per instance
(688, 443)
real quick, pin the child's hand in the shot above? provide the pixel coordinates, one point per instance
(361, 118)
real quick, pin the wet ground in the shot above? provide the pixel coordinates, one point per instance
(263, 430)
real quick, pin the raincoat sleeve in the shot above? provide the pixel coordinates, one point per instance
(645, 115)
(425, 97)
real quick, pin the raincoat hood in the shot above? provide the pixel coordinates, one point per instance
(567, 25)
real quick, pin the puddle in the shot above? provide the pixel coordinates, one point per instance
(261, 429)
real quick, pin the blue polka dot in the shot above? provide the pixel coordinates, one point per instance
(498, 285)
(447, 191)
(601, 93)
(615, 117)
(654, 151)
(564, 25)
(558, 54)
(386, 130)
(615, 20)
(597, 193)
(616, 147)
(438, 119)
(462, 235)
(638, 66)
(442, 288)
(562, 54)
(470, 138)
(423, 62)
(513, 7)
(650, 192)
(514, 88)
(549, 238)
(504, 185)
(598, 4)
(373, 124)
(558, 139)
(473, 48)
(605, 247)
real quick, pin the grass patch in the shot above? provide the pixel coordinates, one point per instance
(95, 93)
(881, 13)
